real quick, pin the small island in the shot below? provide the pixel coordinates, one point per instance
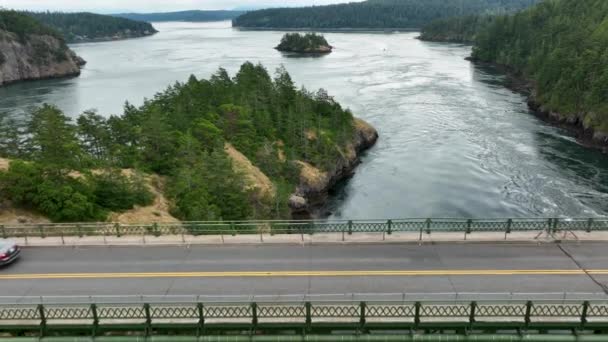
(310, 43)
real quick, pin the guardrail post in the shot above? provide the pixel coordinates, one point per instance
(468, 229)
(254, 315)
(350, 227)
(549, 225)
(308, 307)
(389, 230)
(148, 319)
(4, 235)
(589, 225)
(117, 228)
(201, 319)
(584, 314)
(527, 318)
(508, 230)
(555, 222)
(42, 320)
(428, 226)
(472, 312)
(155, 229)
(362, 310)
(79, 229)
(41, 229)
(232, 228)
(417, 309)
(95, 319)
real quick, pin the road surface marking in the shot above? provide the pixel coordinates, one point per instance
(249, 274)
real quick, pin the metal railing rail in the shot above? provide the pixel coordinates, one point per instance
(307, 317)
(390, 226)
(443, 297)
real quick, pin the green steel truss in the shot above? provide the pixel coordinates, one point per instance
(421, 226)
(310, 320)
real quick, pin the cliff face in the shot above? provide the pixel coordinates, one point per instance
(312, 192)
(35, 57)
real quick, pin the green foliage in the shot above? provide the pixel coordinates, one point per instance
(374, 14)
(23, 25)
(69, 197)
(11, 137)
(84, 26)
(116, 192)
(310, 42)
(51, 140)
(562, 45)
(60, 197)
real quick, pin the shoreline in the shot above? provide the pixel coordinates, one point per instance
(109, 39)
(524, 86)
(311, 197)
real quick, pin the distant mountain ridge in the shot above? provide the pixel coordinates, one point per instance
(194, 15)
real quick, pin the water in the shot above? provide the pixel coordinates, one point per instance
(454, 141)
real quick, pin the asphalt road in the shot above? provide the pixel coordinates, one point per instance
(231, 271)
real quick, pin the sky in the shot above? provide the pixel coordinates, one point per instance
(114, 6)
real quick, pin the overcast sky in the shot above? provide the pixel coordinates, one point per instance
(113, 6)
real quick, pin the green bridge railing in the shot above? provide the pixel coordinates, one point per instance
(231, 320)
(422, 226)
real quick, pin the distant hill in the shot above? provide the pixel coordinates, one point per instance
(373, 14)
(84, 27)
(182, 16)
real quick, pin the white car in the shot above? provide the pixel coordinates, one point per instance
(9, 252)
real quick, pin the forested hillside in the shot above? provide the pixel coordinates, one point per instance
(374, 14)
(193, 16)
(79, 27)
(191, 135)
(562, 46)
(464, 29)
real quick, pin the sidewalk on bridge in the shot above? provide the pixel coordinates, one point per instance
(318, 239)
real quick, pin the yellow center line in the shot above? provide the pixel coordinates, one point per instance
(248, 274)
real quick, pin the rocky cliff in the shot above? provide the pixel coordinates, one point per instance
(35, 57)
(312, 192)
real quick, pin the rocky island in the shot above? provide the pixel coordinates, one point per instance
(310, 43)
(30, 50)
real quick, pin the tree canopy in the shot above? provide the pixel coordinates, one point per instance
(562, 45)
(180, 134)
(373, 14)
(23, 25)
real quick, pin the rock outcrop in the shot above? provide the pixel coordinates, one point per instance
(312, 192)
(35, 57)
